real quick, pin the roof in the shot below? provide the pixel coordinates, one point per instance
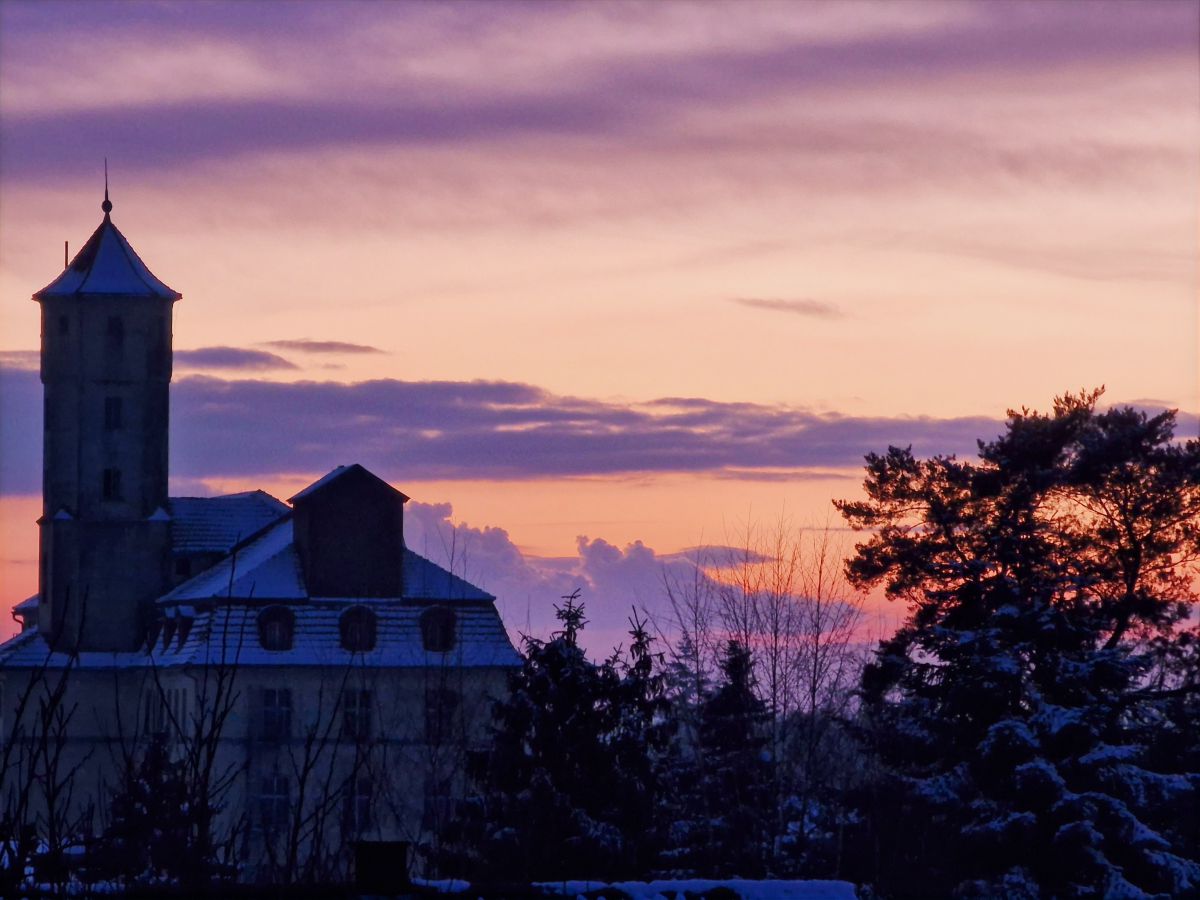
(107, 265)
(217, 524)
(229, 634)
(341, 472)
(268, 568)
(28, 605)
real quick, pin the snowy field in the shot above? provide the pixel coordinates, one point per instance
(677, 890)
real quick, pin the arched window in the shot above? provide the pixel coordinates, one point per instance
(275, 627)
(437, 629)
(358, 629)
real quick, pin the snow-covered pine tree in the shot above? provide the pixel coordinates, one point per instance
(723, 813)
(568, 788)
(1022, 709)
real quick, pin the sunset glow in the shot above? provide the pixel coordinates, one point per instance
(610, 272)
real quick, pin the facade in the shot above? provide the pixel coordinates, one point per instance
(316, 681)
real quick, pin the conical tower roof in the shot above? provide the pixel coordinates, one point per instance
(107, 265)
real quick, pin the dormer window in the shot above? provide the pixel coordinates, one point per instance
(357, 627)
(276, 625)
(437, 629)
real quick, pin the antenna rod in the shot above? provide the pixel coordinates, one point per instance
(66, 256)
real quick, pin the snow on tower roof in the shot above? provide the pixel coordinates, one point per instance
(107, 265)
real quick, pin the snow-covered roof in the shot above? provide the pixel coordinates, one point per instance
(107, 265)
(28, 605)
(340, 472)
(217, 524)
(228, 633)
(268, 568)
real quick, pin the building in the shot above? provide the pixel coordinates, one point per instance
(320, 680)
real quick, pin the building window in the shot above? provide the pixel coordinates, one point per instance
(116, 333)
(64, 325)
(356, 715)
(274, 802)
(441, 705)
(275, 723)
(275, 627)
(111, 489)
(358, 629)
(356, 806)
(112, 413)
(437, 629)
(439, 804)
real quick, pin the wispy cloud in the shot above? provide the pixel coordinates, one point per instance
(230, 358)
(23, 360)
(304, 345)
(817, 309)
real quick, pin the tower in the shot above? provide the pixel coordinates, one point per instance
(106, 373)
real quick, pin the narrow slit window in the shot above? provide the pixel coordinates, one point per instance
(111, 488)
(116, 332)
(112, 413)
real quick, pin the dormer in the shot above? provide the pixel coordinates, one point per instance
(349, 533)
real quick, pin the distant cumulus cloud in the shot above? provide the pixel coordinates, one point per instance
(817, 309)
(304, 345)
(230, 358)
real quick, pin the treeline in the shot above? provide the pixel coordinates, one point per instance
(1032, 729)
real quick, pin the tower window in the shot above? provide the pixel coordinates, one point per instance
(64, 325)
(437, 629)
(111, 489)
(116, 333)
(112, 413)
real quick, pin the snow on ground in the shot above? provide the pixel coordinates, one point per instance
(670, 890)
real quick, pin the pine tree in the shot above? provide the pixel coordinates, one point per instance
(1017, 710)
(723, 815)
(569, 787)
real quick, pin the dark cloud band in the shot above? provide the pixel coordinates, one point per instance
(483, 429)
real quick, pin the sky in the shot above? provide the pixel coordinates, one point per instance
(598, 282)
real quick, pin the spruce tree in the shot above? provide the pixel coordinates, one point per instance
(1033, 731)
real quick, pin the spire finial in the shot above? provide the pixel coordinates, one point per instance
(107, 204)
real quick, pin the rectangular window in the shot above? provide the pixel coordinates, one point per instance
(64, 324)
(115, 332)
(356, 806)
(112, 413)
(276, 721)
(439, 806)
(356, 715)
(440, 708)
(111, 489)
(273, 803)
